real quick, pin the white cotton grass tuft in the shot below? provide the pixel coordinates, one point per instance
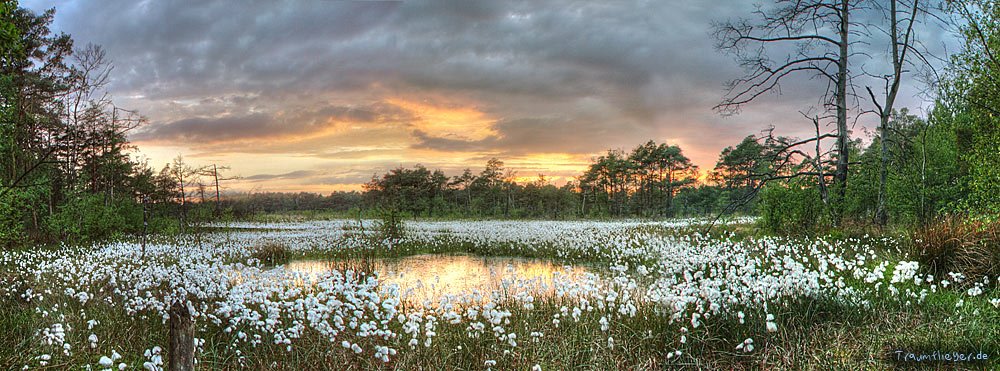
(771, 325)
(746, 345)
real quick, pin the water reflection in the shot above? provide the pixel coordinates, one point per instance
(425, 279)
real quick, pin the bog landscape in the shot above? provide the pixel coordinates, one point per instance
(551, 185)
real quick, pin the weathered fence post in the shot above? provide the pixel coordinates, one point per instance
(145, 225)
(181, 343)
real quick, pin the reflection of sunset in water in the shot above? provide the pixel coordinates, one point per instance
(430, 277)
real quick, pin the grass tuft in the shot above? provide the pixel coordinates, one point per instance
(271, 253)
(960, 245)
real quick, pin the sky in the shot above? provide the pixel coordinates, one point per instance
(320, 95)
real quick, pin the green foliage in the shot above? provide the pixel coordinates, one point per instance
(927, 180)
(861, 198)
(970, 96)
(703, 201)
(792, 208)
(164, 225)
(923, 171)
(19, 212)
(741, 169)
(390, 225)
(65, 170)
(12, 228)
(643, 182)
(199, 214)
(407, 190)
(91, 217)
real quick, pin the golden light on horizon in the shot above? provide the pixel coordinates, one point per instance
(703, 176)
(341, 155)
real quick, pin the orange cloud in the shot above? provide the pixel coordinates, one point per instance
(467, 123)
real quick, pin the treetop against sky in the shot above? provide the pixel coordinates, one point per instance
(319, 95)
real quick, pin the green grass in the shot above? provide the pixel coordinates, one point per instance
(813, 334)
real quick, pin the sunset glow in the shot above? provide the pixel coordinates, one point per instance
(331, 93)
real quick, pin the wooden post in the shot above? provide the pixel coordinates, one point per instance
(181, 343)
(145, 225)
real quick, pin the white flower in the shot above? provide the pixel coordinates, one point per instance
(746, 345)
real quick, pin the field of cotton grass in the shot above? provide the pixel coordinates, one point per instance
(656, 295)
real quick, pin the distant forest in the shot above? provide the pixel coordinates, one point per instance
(653, 180)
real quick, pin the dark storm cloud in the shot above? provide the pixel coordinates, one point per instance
(202, 130)
(169, 49)
(177, 49)
(199, 129)
(559, 76)
(532, 135)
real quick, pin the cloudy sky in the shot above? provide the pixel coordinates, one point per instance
(319, 95)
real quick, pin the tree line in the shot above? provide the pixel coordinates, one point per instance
(64, 155)
(650, 181)
(67, 170)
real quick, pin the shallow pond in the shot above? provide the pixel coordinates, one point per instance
(426, 279)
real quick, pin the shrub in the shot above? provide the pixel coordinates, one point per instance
(270, 253)
(11, 226)
(162, 225)
(92, 217)
(960, 245)
(390, 224)
(790, 209)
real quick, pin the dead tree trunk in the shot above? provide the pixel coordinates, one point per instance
(843, 139)
(181, 343)
(891, 89)
(819, 33)
(215, 173)
(818, 165)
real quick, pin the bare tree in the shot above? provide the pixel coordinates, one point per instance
(213, 173)
(94, 129)
(188, 179)
(902, 43)
(816, 37)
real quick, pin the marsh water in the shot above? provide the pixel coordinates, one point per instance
(425, 279)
